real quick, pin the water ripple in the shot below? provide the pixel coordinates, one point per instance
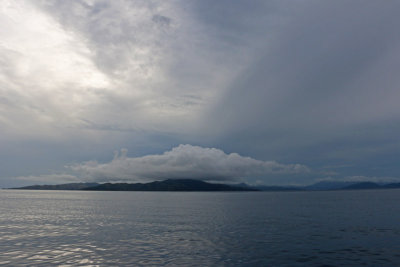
(49, 228)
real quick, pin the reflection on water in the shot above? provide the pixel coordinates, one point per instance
(68, 228)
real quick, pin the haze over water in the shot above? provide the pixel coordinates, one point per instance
(346, 228)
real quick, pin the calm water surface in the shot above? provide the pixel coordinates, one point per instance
(67, 228)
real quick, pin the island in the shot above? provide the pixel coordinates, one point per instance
(166, 185)
(192, 185)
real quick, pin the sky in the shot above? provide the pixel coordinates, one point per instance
(263, 92)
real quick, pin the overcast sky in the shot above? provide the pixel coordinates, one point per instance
(267, 92)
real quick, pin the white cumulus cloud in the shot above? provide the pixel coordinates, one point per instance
(184, 161)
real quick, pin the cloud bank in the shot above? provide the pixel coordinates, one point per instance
(49, 178)
(184, 161)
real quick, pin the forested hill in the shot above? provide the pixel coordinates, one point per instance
(167, 185)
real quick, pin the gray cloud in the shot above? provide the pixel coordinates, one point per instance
(155, 53)
(312, 82)
(184, 161)
(161, 20)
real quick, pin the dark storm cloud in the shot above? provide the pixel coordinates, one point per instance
(327, 74)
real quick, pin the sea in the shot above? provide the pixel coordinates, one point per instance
(80, 228)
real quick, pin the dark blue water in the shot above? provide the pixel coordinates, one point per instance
(348, 228)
